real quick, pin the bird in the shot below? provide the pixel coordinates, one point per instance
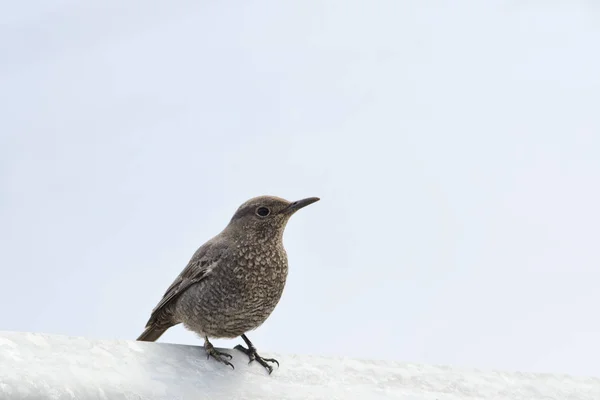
(233, 282)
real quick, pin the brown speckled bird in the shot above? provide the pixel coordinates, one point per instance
(234, 281)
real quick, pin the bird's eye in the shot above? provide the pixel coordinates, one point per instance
(263, 211)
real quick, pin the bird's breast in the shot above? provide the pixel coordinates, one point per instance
(263, 270)
(239, 295)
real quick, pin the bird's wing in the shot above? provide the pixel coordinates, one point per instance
(199, 268)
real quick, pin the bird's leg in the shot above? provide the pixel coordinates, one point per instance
(217, 355)
(253, 355)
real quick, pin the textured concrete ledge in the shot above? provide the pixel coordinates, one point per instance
(38, 366)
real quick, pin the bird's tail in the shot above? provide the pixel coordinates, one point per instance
(151, 333)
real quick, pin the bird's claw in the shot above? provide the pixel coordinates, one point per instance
(254, 356)
(218, 355)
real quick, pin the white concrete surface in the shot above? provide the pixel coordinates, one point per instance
(40, 366)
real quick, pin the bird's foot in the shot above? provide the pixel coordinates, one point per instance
(253, 355)
(217, 355)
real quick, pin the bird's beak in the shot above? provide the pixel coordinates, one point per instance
(296, 205)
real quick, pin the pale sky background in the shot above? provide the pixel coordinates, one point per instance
(455, 147)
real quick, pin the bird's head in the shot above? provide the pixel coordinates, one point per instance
(265, 217)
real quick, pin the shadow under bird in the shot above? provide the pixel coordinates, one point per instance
(233, 282)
